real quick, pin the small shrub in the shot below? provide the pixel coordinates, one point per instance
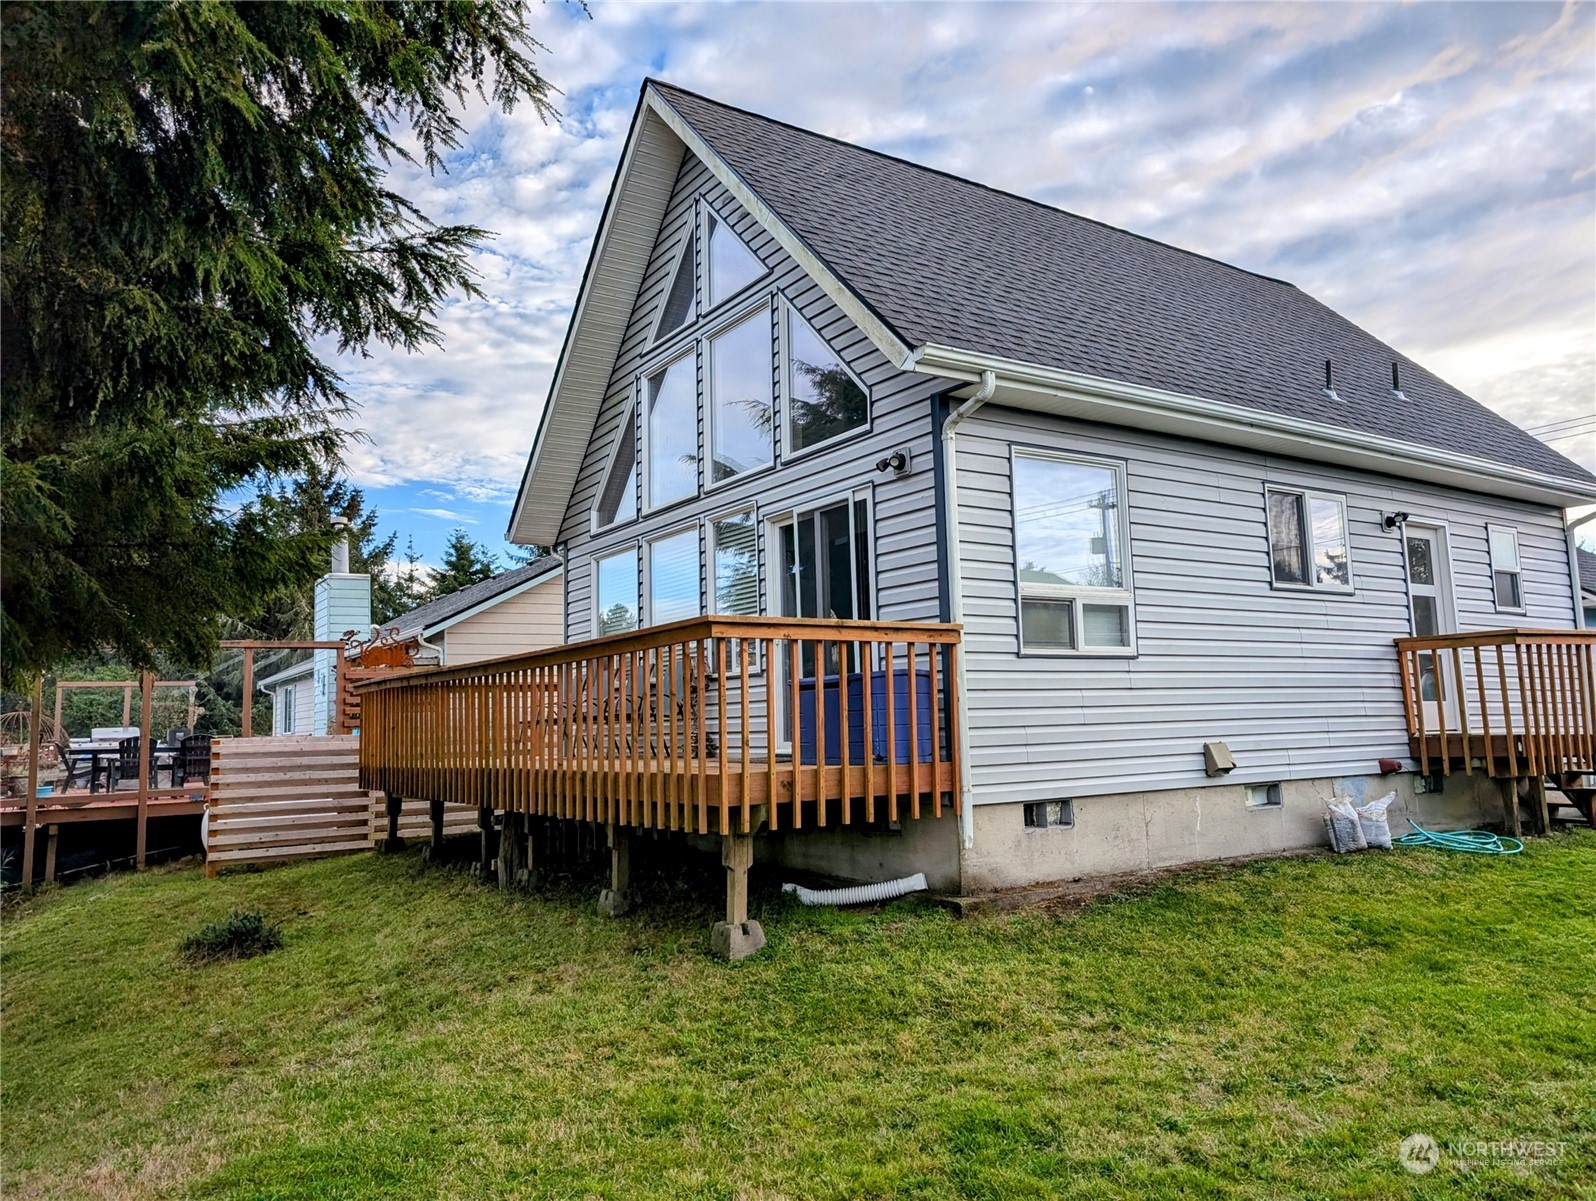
(242, 934)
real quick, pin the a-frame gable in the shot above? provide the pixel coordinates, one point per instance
(624, 254)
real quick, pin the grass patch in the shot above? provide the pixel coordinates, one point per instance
(1270, 1030)
(242, 934)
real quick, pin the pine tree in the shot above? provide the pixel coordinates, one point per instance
(464, 563)
(192, 202)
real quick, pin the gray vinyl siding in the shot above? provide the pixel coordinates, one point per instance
(903, 539)
(1299, 684)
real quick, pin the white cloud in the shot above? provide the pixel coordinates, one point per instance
(1429, 171)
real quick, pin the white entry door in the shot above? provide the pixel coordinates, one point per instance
(1430, 599)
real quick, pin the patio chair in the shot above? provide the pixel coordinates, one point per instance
(193, 761)
(126, 763)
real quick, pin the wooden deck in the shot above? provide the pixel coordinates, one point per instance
(688, 726)
(1512, 703)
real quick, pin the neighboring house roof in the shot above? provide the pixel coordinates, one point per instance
(947, 276)
(1587, 571)
(426, 620)
(297, 671)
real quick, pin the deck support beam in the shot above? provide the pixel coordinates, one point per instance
(52, 837)
(435, 846)
(737, 937)
(393, 805)
(1510, 818)
(515, 851)
(617, 898)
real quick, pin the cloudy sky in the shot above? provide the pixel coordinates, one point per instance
(1427, 170)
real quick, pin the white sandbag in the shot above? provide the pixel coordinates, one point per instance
(1346, 831)
(1372, 820)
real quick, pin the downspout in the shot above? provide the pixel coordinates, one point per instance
(421, 641)
(950, 496)
(1573, 566)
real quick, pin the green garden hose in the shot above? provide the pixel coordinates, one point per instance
(1479, 842)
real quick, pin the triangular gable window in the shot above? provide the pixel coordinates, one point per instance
(679, 302)
(617, 500)
(732, 266)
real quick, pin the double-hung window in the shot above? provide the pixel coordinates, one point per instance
(1308, 539)
(1070, 537)
(673, 577)
(1507, 573)
(615, 592)
(285, 709)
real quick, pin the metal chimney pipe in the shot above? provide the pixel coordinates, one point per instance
(340, 547)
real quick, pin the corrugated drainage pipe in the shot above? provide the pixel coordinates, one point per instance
(859, 894)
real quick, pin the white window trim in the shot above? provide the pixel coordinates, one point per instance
(635, 547)
(633, 411)
(646, 559)
(1078, 596)
(688, 247)
(789, 312)
(722, 327)
(1490, 565)
(708, 307)
(757, 522)
(1309, 495)
(640, 398)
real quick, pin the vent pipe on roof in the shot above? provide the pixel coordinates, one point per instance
(1396, 381)
(1330, 381)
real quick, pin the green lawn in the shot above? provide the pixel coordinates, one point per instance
(1259, 1031)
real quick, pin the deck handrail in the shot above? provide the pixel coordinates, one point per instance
(1521, 701)
(649, 637)
(675, 726)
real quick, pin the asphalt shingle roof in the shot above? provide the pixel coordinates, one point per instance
(424, 617)
(946, 261)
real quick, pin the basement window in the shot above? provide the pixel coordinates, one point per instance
(1049, 815)
(1264, 796)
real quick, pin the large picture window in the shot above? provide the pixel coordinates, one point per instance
(1507, 573)
(615, 592)
(824, 401)
(732, 266)
(673, 577)
(1308, 540)
(672, 398)
(741, 386)
(617, 499)
(1070, 531)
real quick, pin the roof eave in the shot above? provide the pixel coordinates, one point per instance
(1114, 402)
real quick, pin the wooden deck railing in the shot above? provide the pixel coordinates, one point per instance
(1523, 702)
(704, 725)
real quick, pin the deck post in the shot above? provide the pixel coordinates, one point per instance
(512, 851)
(1511, 821)
(52, 837)
(484, 864)
(30, 821)
(434, 851)
(617, 898)
(737, 937)
(1540, 813)
(146, 752)
(393, 806)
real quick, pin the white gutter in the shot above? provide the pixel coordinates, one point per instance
(1115, 402)
(950, 496)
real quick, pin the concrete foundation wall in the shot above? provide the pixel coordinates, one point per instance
(930, 845)
(1139, 831)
